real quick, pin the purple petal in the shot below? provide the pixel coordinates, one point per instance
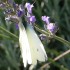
(45, 19)
(20, 13)
(29, 7)
(32, 19)
(52, 27)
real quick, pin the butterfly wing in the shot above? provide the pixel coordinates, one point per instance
(36, 47)
(24, 45)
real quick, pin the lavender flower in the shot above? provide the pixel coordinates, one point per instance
(29, 7)
(20, 12)
(45, 19)
(52, 27)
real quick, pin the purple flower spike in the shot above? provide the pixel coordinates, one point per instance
(32, 19)
(29, 7)
(45, 19)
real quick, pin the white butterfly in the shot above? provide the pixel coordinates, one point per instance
(31, 47)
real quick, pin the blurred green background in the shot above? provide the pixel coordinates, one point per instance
(59, 12)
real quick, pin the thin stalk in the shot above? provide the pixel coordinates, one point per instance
(55, 59)
(8, 32)
(4, 36)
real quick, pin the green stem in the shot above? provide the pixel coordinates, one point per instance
(4, 36)
(8, 32)
(54, 36)
(62, 40)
